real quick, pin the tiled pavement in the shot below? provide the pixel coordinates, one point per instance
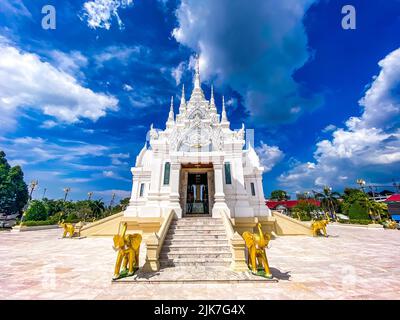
(353, 263)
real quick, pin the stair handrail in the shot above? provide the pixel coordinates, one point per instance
(154, 243)
(162, 232)
(236, 243)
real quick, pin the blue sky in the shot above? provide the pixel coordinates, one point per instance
(76, 102)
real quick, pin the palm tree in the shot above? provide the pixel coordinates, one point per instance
(377, 209)
(97, 207)
(329, 200)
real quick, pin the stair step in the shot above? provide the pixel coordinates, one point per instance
(195, 242)
(195, 237)
(198, 228)
(195, 255)
(196, 250)
(193, 232)
(194, 262)
(190, 245)
(199, 223)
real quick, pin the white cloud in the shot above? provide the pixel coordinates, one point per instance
(99, 13)
(269, 156)
(28, 82)
(254, 48)
(116, 158)
(41, 150)
(369, 146)
(178, 72)
(15, 7)
(122, 54)
(108, 173)
(48, 124)
(69, 62)
(127, 87)
(329, 128)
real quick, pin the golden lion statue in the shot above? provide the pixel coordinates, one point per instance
(318, 226)
(68, 228)
(256, 244)
(127, 247)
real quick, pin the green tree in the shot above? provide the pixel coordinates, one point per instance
(302, 210)
(13, 189)
(36, 211)
(53, 206)
(277, 195)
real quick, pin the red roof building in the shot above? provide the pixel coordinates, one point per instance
(288, 204)
(393, 198)
(393, 203)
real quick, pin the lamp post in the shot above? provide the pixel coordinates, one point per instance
(396, 186)
(361, 182)
(66, 191)
(32, 187)
(112, 202)
(44, 192)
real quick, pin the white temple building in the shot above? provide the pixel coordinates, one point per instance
(197, 165)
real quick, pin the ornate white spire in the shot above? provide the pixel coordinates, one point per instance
(197, 73)
(223, 114)
(213, 108)
(182, 106)
(171, 120)
(197, 93)
(224, 118)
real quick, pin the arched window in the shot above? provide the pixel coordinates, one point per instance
(167, 169)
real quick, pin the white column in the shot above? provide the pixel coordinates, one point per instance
(219, 195)
(152, 207)
(174, 194)
(242, 203)
(262, 207)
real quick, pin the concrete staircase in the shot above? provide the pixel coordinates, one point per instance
(196, 241)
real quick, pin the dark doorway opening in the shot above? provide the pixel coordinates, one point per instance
(197, 194)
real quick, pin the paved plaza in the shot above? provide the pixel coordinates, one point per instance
(353, 263)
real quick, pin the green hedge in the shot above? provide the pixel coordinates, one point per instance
(356, 221)
(38, 223)
(45, 222)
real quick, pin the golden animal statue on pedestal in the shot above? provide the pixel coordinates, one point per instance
(127, 247)
(390, 224)
(68, 228)
(256, 244)
(318, 226)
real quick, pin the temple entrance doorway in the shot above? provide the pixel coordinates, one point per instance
(197, 190)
